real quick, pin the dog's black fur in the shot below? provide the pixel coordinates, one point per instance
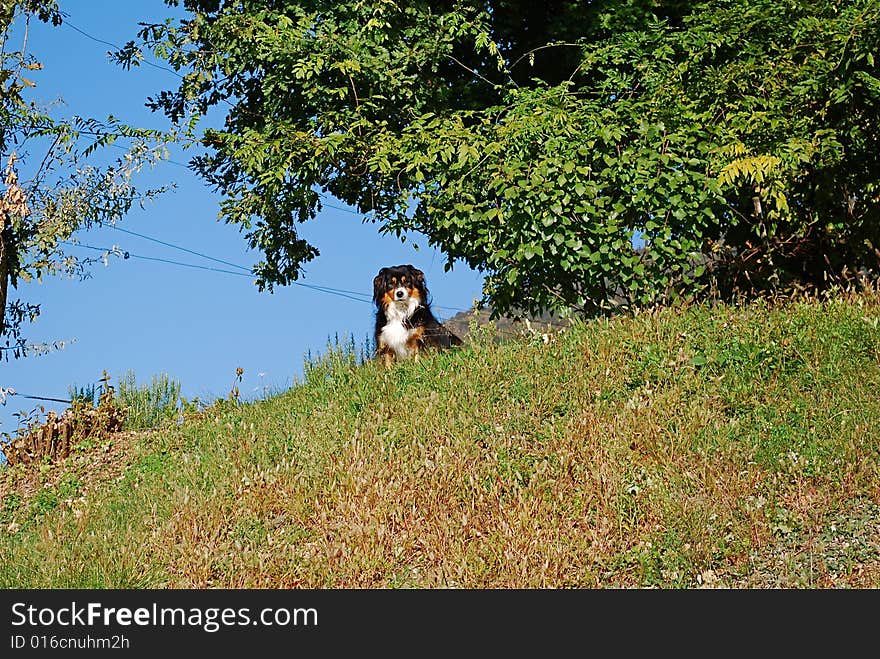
(405, 324)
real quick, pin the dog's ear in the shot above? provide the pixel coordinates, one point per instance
(379, 285)
(415, 272)
(420, 282)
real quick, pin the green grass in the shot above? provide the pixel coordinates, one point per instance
(16, 512)
(148, 405)
(705, 446)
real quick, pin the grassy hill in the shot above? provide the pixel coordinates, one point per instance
(708, 446)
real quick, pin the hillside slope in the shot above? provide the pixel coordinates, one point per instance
(708, 446)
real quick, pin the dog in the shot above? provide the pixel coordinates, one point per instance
(405, 324)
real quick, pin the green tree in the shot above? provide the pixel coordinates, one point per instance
(580, 154)
(54, 182)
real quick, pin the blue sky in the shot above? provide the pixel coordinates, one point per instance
(197, 326)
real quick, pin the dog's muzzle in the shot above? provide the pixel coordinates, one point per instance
(400, 294)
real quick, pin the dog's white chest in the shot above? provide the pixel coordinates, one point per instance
(395, 336)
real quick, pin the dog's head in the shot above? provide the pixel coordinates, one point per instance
(402, 285)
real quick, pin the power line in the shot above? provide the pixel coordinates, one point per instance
(317, 287)
(229, 263)
(116, 47)
(127, 255)
(173, 162)
(340, 208)
(326, 289)
(165, 68)
(54, 400)
(340, 292)
(182, 249)
(323, 196)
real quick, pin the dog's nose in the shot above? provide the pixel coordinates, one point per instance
(399, 293)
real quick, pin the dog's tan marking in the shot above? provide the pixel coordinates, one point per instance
(412, 343)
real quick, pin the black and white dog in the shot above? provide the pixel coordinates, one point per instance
(404, 321)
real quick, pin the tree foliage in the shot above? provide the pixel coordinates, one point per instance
(580, 154)
(53, 182)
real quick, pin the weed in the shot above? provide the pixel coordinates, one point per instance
(149, 405)
(86, 395)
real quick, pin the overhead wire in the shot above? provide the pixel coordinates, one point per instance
(362, 297)
(125, 254)
(241, 270)
(229, 263)
(54, 400)
(67, 22)
(165, 68)
(178, 247)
